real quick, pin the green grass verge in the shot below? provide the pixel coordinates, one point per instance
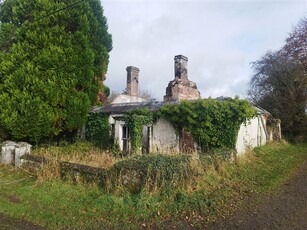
(271, 166)
(57, 204)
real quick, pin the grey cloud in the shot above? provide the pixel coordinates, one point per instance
(220, 38)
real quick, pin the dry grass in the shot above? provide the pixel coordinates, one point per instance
(80, 153)
(48, 172)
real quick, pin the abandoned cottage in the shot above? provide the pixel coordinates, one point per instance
(161, 136)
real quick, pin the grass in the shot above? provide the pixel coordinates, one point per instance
(80, 153)
(56, 204)
(270, 166)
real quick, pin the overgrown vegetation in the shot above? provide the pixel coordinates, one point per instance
(98, 130)
(155, 173)
(56, 204)
(80, 153)
(279, 83)
(213, 123)
(53, 57)
(135, 121)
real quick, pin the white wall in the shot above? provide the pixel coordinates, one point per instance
(251, 134)
(163, 137)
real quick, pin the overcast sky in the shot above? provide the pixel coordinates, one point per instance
(220, 39)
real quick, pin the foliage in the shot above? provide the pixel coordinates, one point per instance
(280, 81)
(51, 65)
(98, 130)
(156, 172)
(61, 205)
(213, 123)
(135, 121)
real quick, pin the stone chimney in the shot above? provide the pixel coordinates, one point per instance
(132, 80)
(181, 67)
(181, 88)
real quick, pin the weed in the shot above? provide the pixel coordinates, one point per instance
(171, 196)
(80, 153)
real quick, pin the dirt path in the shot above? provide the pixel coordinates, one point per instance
(286, 209)
(8, 223)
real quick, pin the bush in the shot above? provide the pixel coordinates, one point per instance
(154, 172)
(98, 130)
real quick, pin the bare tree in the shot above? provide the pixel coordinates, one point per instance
(279, 83)
(145, 94)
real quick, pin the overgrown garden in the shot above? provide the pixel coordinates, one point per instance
(177, 193)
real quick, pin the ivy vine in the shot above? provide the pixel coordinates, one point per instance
(98, 130)
(135, 121)
(212, 123)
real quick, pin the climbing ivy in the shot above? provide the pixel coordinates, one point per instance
(98, 130)
(135, 121)
(212, 123)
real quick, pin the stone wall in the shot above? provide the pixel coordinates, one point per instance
(181, 89)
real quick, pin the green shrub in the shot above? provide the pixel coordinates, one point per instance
(98, 130)
(154, 172)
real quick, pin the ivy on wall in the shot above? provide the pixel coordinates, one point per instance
(98, 130)
(212, 123)
(135, 121)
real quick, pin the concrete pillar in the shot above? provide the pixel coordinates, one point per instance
(8, 152)
(22, 149)
(11, 152)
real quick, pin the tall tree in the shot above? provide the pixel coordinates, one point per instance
(53, 56)
(279, 84)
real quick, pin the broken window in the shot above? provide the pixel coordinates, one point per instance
(125, 138)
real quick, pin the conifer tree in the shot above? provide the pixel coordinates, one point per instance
(53, 57)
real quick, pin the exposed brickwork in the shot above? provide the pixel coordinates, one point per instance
(132, 80)
(181, 88)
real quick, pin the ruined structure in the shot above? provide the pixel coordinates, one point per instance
(11, 152)
(181, 88)
(132, 89)
(162, 136)
(132, 80)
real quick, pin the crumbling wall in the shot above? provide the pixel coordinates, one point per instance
(274, 129)
(164, 138)
(181, 88)
(11, 152)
